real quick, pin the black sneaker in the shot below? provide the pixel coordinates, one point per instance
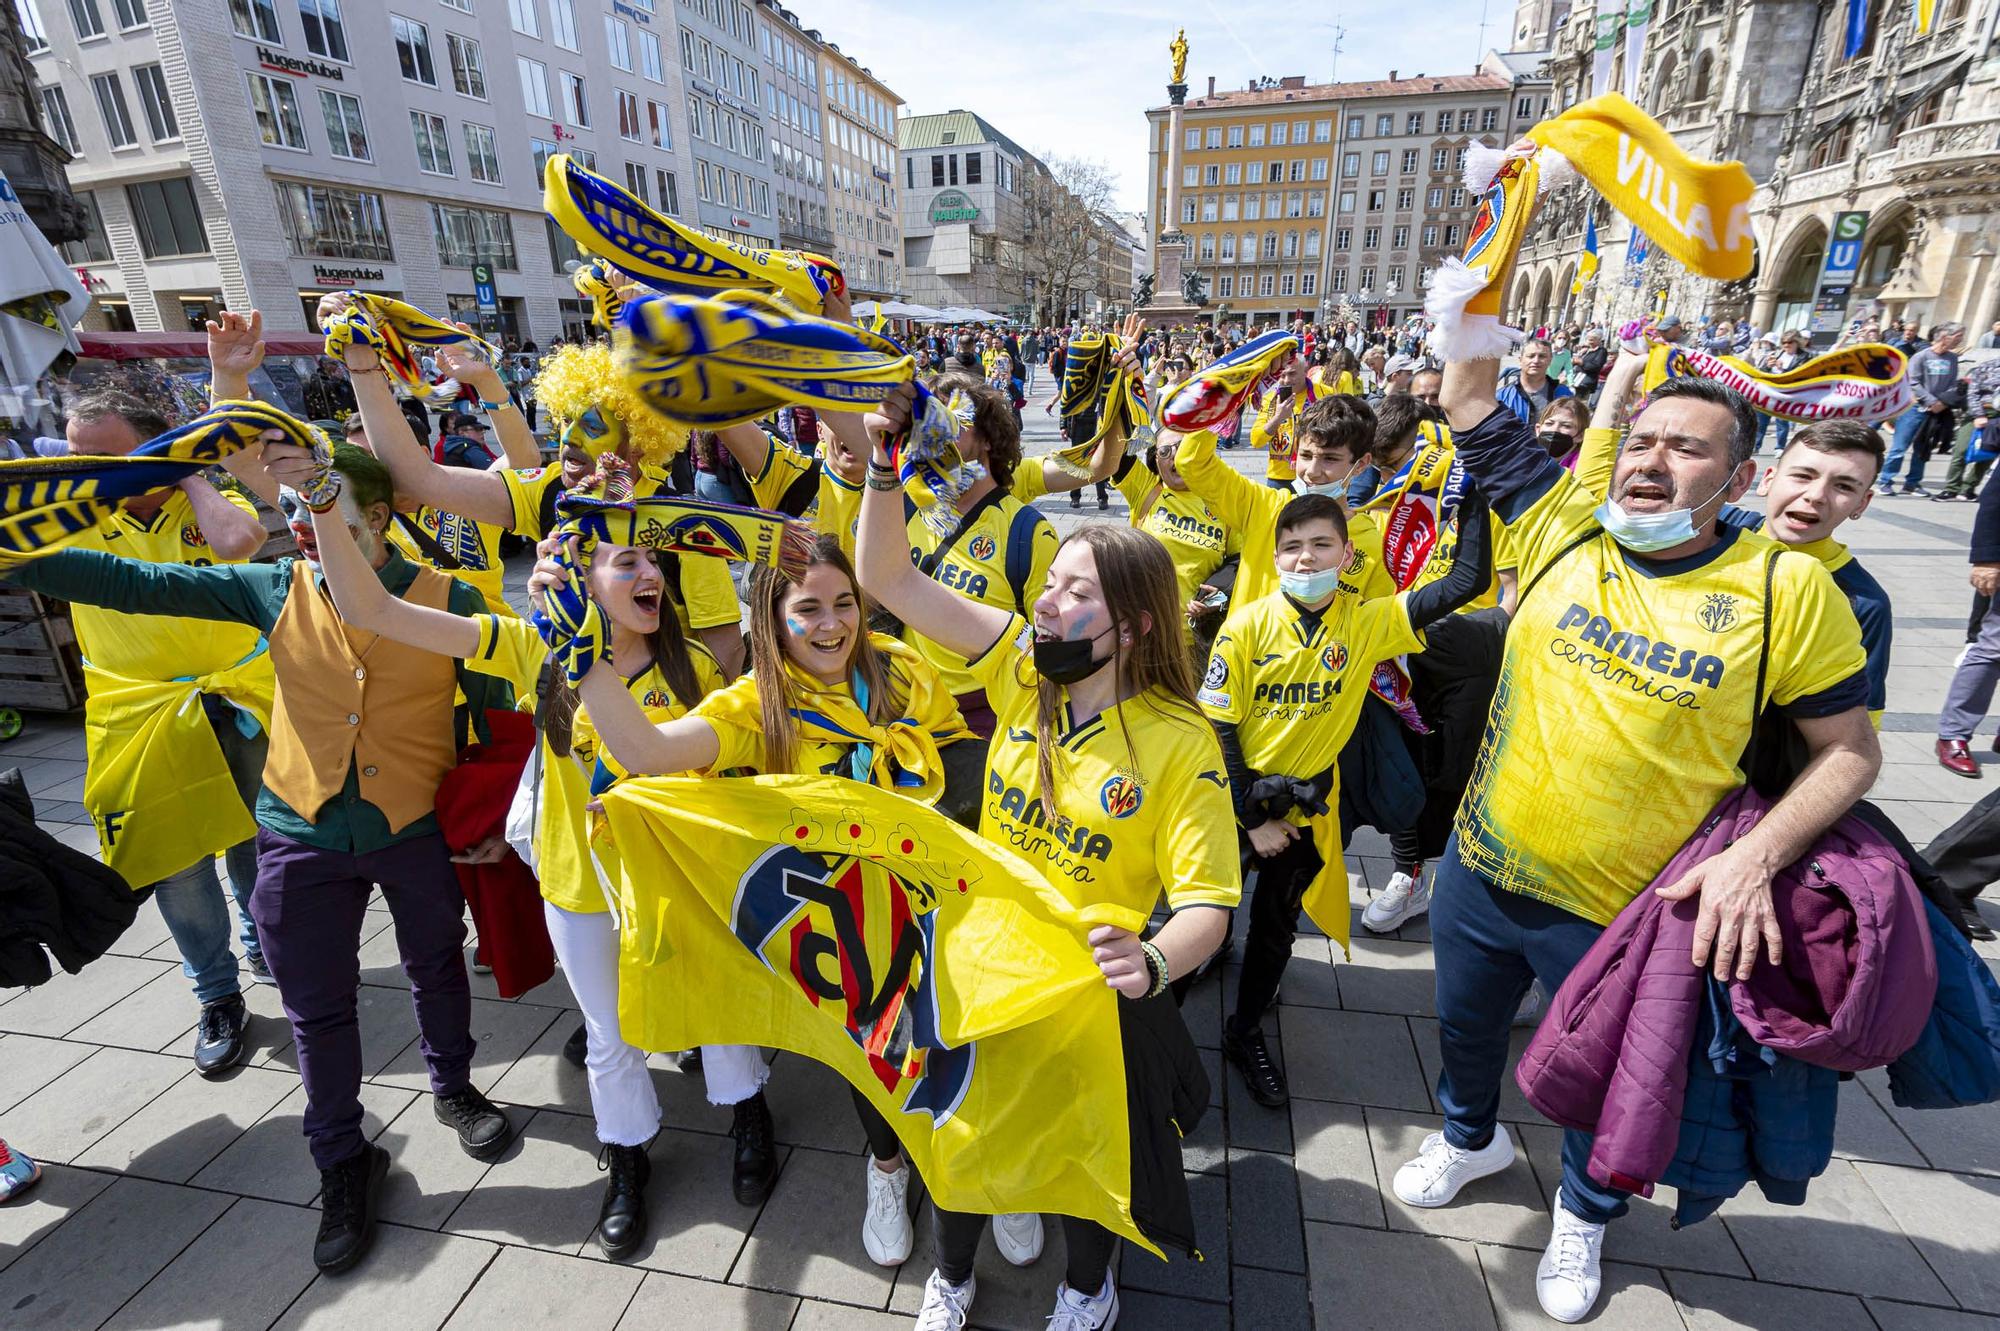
(348, 1194)
(218, 1041)
(577, 1047)
(482, 1129)
(756, 1152)
(621, 1224)
(1252, 1058)
(260, 970)
(1975, 924)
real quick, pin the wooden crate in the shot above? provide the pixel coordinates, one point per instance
(40, 668)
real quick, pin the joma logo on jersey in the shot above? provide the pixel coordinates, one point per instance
(1718, 612)
(844, 930)
(1334, 658)
(980, 546)
(1024, 808)
(1662, 658)
(968, 580)
(1121, 796)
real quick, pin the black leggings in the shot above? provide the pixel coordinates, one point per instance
(1406, 851)
(956, 1234)
(882, 1142)
(1282, 881)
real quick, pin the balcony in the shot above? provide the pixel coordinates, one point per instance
(802, 236)
(1950, 149)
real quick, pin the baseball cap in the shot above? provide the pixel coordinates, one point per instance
(1401, 365)
(1670, 322)
(459, 420)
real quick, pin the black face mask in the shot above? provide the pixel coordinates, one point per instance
(1067, 661)
(1556, 442)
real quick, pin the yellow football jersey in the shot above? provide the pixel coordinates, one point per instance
(976, 566)
(475, 545)
(1273, 426)
(1196, 539)
(836, 505)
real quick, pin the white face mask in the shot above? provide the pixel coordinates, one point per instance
(1309, 587)
(1643, 533)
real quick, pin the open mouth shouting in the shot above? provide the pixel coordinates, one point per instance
(308, 543)
(647, 601)
(1647, 496)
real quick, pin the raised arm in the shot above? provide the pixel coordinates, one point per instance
(366, 604)
(235, 349)
(749, 445)
(1598, 456)
(1471, 567)
(233, 534)
(516, 439)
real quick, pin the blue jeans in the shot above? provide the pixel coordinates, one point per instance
(1488, 946)
(191, 901)
(1908, 426)
(1764, 424)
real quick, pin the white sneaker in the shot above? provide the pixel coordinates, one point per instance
(1018, 1235)
(1085, 1312)
(946, 1306)
(1568, 1280)
(886, 1231)
(1404, 898)
(1441, 1169)
(1530, 1011)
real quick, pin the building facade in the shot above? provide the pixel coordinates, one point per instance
(963, 218)
(791, 60)
(863, 201)
(1907, 132)
(1331, 200)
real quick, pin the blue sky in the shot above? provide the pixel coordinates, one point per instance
(1074, 79)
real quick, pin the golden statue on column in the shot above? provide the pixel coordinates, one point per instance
(1179, 48)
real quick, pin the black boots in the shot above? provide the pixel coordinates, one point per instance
(349, 1192)
(756, 1151)
(621, 1225)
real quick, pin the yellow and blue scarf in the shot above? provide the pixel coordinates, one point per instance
(1219, 390)
(1867, 383)
(399, 332)
(676, 525)
(1093, 385)
(597, 282)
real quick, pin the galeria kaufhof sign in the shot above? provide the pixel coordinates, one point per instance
(953, 206)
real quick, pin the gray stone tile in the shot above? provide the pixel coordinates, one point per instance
(161, 1012)
(68, 1001)
(1645, 1236)
(411, 1280)
(1161, 1312)
(697, 1227)
(146, 932)
(1008, 1296)
(1953, 1219)
(1202, 1011)
(1264, 1220)
(840, 1317)
(1204, 1148)
(1507, 1207)
(429, 1172)
(388, 1026)
(1912, 1317)
(32, 1062)
(810, 1104)
(1374, 1280)
(188, 1125)
(254, 1261)
(105, 1254)
(1712, 1303)
(526, 1288)
(1310, 978)
(552, 992)
(43, 775)
(1514, 1107)
(60, 1121)
(270, 1160)
(1966, 1140)
(1181, 1276)
(1388, 976)
(1634, 1298)
(807, 1240)
(543, 1193)
(667, 1300)
(1270, 1300)
(1841, 1239)
(1335, 1165)
(542, 1078)
(1864, 1131)
(1354, 1057)
(36, 1213)
(504, 1032)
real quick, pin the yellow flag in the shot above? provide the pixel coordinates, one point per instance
(1699, 212)
(938, 973)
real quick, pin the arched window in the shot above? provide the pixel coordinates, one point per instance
(1927, 112)
(1831, 147)
(1801, 279)
(1883, 254)
(1663, 79)
(1704, 77)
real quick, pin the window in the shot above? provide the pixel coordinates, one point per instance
(1323, 131)
(1396, 277)
(1444, 122)
(1256, 173)
(1278, 134)
(1339, 283)
(1465, 120)
(629, 126)
(1319, 168)
(1291, 244)
(1214, 137)
(1211, 175)
(468, 70)
(1357, 127)
(659, 125)
(1287, 284)
(1434, 198)
(1264, 284)
(1190, 175)
(1385, 125)
(1406, 199)
(576, 100)
(1253, 207)
(1489, 119)
(1309, 283)
(1270, 244)
(1207, 247)
(1347, 201)
(527, 20)
(1524, 107)
(1457, 199)
(34, 35)
(951, 168)
(1225, 285)
(1410, 157)
(1193, 140)
(275, 104)
(482, 158)
(1413, 123)
(252, 18)
(168, 218)
(1367, 276)
(155, 102)
(1343, 238)
(1399, 239)
(1256, 136)
(55, 118)
(635, 180)
(463, 6)
(346, 132)
(89, 23)
(618, 36)
(1236, 136)
(1248, 254)
(1187, 210)
(1350, 164)
(670, 192)
(1458, 162)
(649, 56)
(1316, 205)
(95, 247)
(326, 35)
(1451, 235)
(1277, 172)
(1430, 235)
(1371, 238)
(972, 168)
(1229, 247)
(534, 86)
(1381, 164)
(1440, 159)
(1298, 168)
(433, 139)
(321, 221)
(1208, 208)
(413, 50)
(1377, 198)
(562, 24)
(466, 236)
(1232, 174)
(1312, 244)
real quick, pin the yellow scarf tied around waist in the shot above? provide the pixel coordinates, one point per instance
(46, 503)
(400, 333)
(615, 224)
(1867, 383)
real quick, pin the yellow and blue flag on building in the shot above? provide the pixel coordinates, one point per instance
(1586, 267)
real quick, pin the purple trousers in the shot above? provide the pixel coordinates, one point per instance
(309, 906)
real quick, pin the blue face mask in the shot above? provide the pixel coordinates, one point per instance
(1309, 587)
(1332, 489)
(1643, 533)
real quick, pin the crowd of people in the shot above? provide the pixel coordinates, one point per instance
(1537, 704)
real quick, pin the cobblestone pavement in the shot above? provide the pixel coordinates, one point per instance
(172, 1201)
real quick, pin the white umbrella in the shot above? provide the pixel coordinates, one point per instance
(51, 301)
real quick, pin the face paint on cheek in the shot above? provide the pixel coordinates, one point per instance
(796, 629)
(1084, 627)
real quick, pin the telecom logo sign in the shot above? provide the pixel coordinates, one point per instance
(953, 206)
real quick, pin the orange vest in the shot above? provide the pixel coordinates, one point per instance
(346, 696)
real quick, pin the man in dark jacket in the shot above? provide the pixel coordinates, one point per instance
(1933, 376)
(1971, 691)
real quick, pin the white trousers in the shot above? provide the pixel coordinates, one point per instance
(622, 1098)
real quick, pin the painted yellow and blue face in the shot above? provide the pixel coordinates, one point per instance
(596, 432)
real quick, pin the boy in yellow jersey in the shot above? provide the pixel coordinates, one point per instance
(1285, 687)
(1629, 689)
(1274, 421)
(175, 725)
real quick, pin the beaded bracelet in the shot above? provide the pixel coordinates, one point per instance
(1156, 962)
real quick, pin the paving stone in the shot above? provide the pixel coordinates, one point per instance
(1374, 1280)
(1644, 1236)
(42, 775)
(1270, 1300)
(1354, 1057)
(504, 1032)
(429, 1172)
(1310, 978)
(271, 1160)
(697, 1227)
(1712, 1303)
(552, 992)
(159, 1013)
(839, 1317)
(1514, 1107)
(411, 1280)
(1841, 1239)
(1204, 1149)
(147, 931)
(1953, 1219)
(104, 1254)
(388, 1026)
(1161, 1312)
(807, 1240)
(32, 1062)
(542, 1078)
(1864, 1130)
(190, 1124)
(1912, 1317)
(1966, 1140)
(1182, 1276)
(68, 1001)
(1202, 1011)
(1251, 1126)
(1388, 976)
(254, 1261)
(1009, 1296)
(1264, 1220)
(1634, 1298)
(544, 1192)
(37, 1212)
(1336, 1166)
(675, 1301)
(1507, 1207)
(525, 1288)
(810, 1104)
(60, 1121)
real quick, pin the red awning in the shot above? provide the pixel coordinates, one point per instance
(164, 346)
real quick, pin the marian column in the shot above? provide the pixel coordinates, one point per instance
(1170, 249)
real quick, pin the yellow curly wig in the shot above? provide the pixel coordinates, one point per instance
(577, 378)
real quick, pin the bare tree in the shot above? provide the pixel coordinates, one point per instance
(1061, 254)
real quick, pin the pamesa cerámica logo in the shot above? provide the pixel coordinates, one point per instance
(954, 206)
